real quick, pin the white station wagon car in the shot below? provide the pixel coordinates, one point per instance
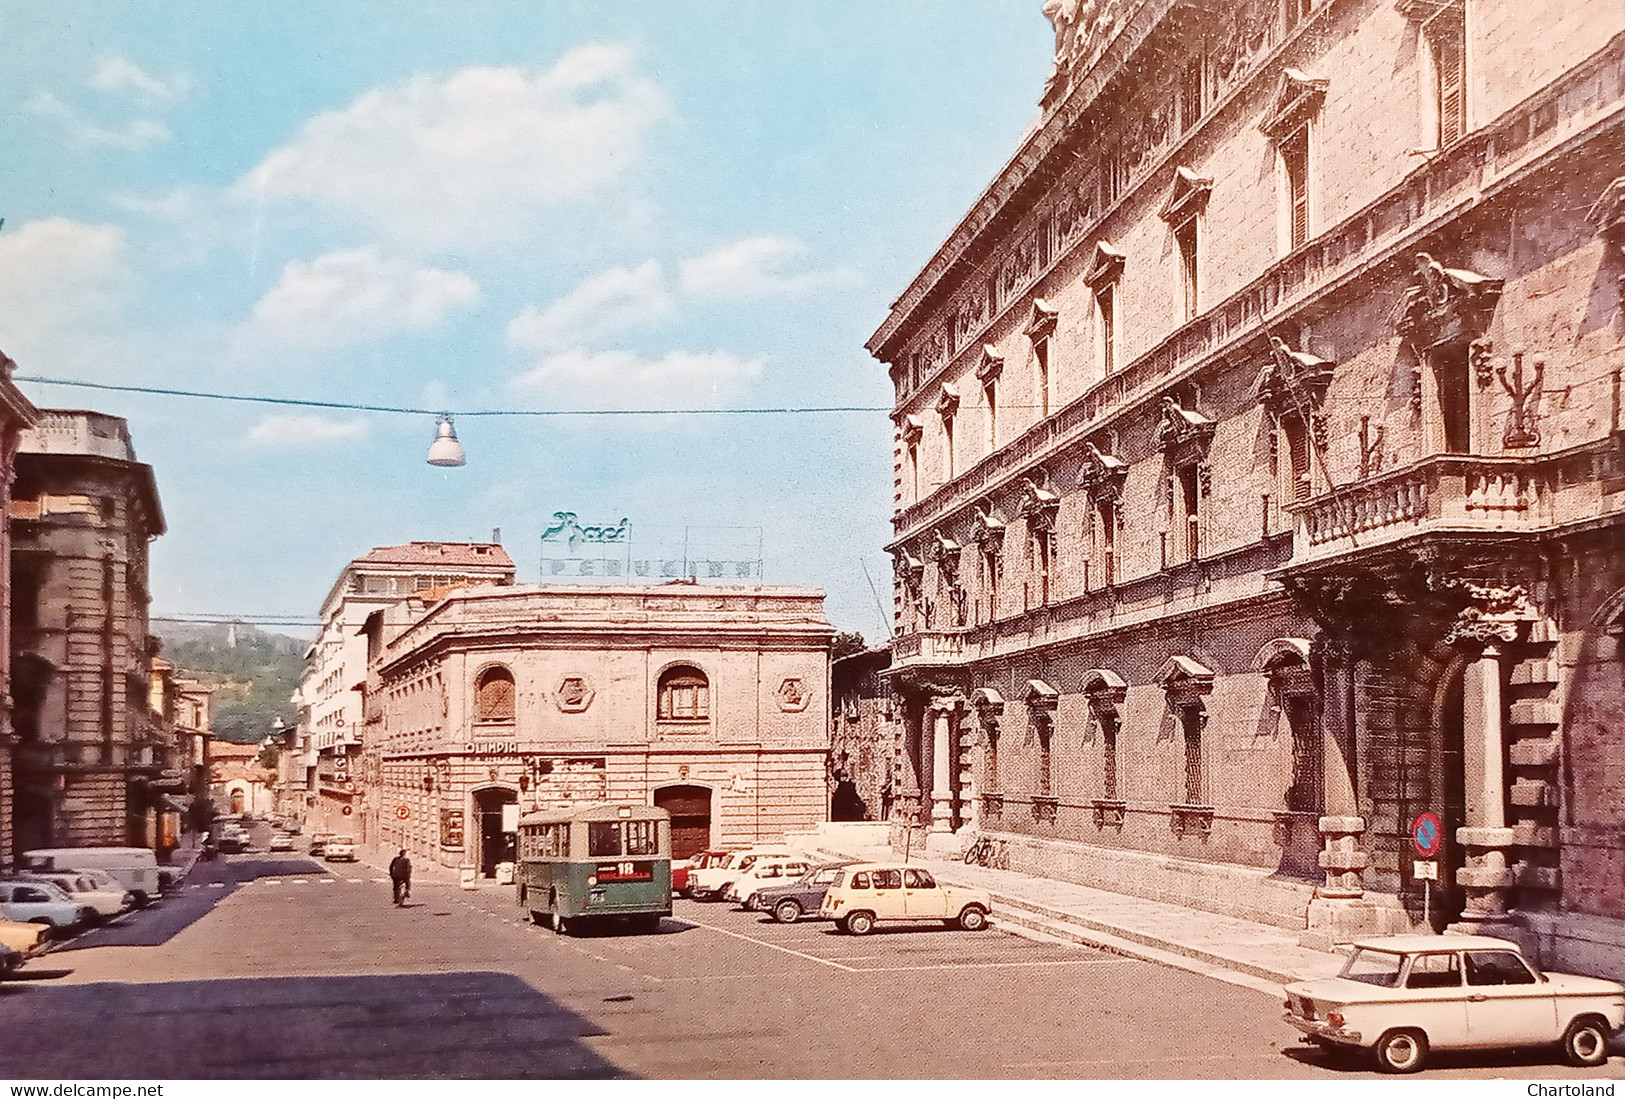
(1402, 996)
(865, 894)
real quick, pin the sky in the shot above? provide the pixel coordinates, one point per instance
(470, 206)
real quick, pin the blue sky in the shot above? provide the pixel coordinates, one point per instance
(492, 205)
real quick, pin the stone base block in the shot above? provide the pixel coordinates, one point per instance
(944, 845)
(1498, 926)
(1573, 942)
(1334, 920)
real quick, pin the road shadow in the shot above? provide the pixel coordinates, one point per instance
(207, 885)
(430, 1026)
(1351, 1061)
(622, 929)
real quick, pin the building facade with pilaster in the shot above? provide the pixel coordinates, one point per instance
(1260, 472)
(17, 412)
(91, 751)
(321, 781)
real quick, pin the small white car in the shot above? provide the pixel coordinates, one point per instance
(865, 894)
(41, 902)
(1402, 996)
(765, 872)
(282, 841)
(711, 881)
(98, 890)
(341, 849)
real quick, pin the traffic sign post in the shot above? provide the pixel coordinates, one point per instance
(1427, 836)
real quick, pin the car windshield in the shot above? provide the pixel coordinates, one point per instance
(1374, 967)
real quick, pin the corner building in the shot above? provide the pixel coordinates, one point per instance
(1259, 470)
(711, 702)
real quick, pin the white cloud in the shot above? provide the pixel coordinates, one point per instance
(136, 135)
(304, 430)
(677, 378)
(754, 268)
(57, 277)
(609, 302)
(120, 74)
(352, 296)
(443, 157)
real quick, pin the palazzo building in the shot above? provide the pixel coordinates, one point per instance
(90, 750)
(317, 777)
(711, 702)
(16, 413)
(1260, 472)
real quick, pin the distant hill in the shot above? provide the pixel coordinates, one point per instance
(254, 672)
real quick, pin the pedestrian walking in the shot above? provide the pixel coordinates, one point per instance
(400, 876)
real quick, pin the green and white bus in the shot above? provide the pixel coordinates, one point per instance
(608, 861)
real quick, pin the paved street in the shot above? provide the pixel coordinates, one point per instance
(276, 966)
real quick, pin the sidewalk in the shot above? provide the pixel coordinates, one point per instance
(1241, 952)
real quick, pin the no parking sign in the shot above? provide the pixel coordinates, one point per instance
(1427, 834)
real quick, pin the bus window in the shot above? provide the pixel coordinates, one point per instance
(603, 838)
(642, 837)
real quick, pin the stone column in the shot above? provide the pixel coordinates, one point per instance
(1485, 878)
(942, 743)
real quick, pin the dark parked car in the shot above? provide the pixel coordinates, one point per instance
(789, 903)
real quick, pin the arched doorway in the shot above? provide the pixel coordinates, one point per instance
(690, 809)
(497, 811)
(1449, 787)
(237, 801)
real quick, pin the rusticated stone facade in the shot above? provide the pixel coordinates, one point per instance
(1260, 476)
(90, 751)
(709, 701)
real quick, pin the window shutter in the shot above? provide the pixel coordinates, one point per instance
(1452, 85)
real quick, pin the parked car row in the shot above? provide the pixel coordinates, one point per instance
(857, 896)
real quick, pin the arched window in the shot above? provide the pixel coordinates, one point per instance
(493, 695)
(685, 694)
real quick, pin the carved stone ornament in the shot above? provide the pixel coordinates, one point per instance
(1445, 305)
(1523, 418)
(1495, 614)
(1040, 320)
(1039, 503)
(988, 529)
(573, 694)
(1185, 680)
(1608, 214)
(1184, 433)
(793, 695)
(1188, 197)
(988, 702)
(948, 402)
(911, 428)
(1082, 29)
(945, 553)
(1297, 98)
(1103, 474)
(991, 364)
(1104, 266)
(1104, 689)
(1295, 382)
(909, 567)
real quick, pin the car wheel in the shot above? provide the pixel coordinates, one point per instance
(141, 898)
(1402, 1051)
(787, 911)
(1585, 1043)
(973, 918)
(860, 923)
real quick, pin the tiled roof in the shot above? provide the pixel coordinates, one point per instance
(456, 554)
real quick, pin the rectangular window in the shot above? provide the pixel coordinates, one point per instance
(1195, 780)
(1298, 459)
(1043, 243)
(1190, 95)
(1106, 539)
(1189, 503)
(991, 395)
(1106, 313)
(1108, 755)
(1041, 366)
(1450, 375)
(1447, 38)
(1185, 239)
(1043, 550)
(990, 583)
(1295, 166)
(913, 463)
(992, 295)
(990, 761)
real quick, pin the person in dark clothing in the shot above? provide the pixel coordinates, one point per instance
(400, 875)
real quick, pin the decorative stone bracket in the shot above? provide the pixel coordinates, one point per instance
(992, 806)
(1109, 813)
(1295, 382)
(1102, 475)
(987, 529)
(1039, 503)
(1187, 819)
(1041, 320)
(1184, 433)
(1045, 809)
(1297, 98)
